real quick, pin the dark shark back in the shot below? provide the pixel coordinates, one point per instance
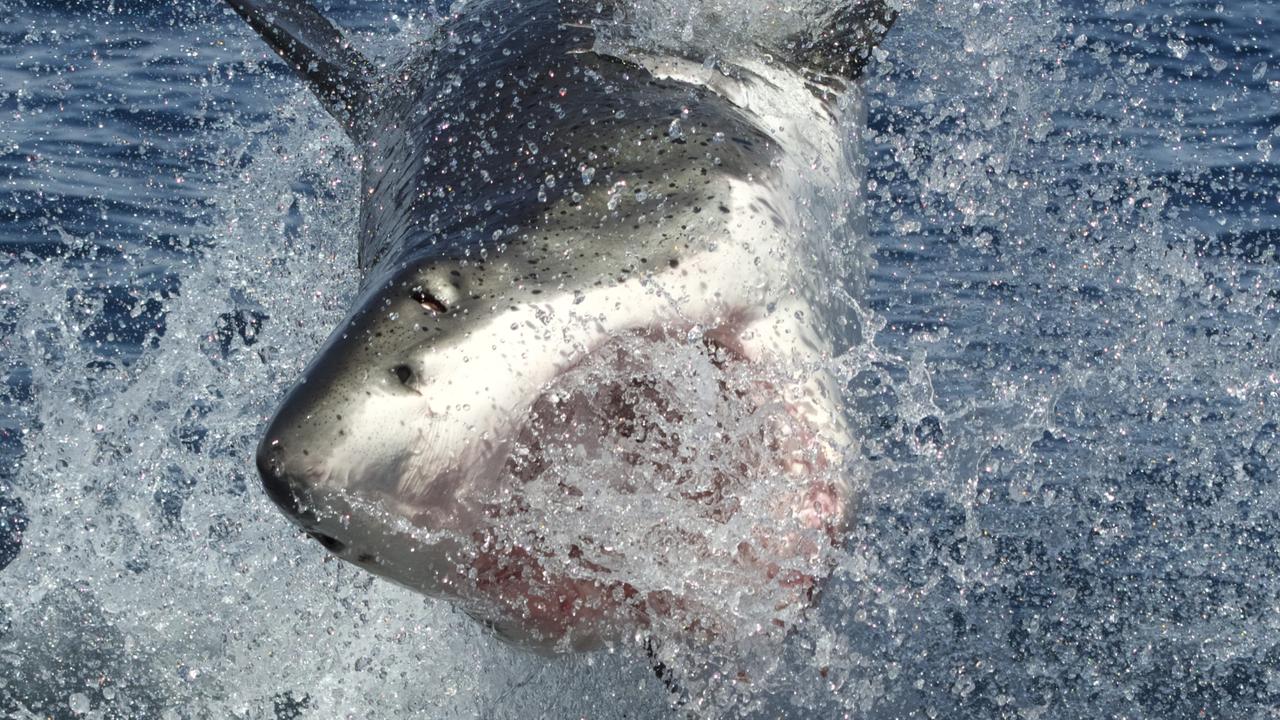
(514, 121)
(511, 108)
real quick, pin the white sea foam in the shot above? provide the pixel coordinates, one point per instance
(1069, 492)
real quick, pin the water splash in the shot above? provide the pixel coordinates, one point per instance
(1065, 386)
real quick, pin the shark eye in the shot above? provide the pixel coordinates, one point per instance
(428, 301)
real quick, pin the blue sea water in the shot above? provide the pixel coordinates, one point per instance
(1068, 395)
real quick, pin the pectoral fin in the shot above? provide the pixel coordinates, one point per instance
(336, 72)
(841, 44)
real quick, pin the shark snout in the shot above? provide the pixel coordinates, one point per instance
(283, 493)
(341, 437)
(277, 483)
(292, 493)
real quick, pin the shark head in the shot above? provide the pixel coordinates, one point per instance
(458, 393)
(586, 386)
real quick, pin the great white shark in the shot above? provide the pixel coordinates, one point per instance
(548, 208)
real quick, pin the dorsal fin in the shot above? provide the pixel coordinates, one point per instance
(337, 73)
(842, 43)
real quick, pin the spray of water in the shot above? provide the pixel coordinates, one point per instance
(1061, 373)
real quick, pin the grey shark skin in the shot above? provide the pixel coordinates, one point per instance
(534, 198)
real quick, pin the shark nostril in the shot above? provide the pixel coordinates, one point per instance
(331, 544)
(403, 373)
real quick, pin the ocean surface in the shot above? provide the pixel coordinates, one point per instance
(1067, 392)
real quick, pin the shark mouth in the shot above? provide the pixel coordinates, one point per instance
(660, 481)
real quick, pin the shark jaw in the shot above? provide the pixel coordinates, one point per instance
(572, 480)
